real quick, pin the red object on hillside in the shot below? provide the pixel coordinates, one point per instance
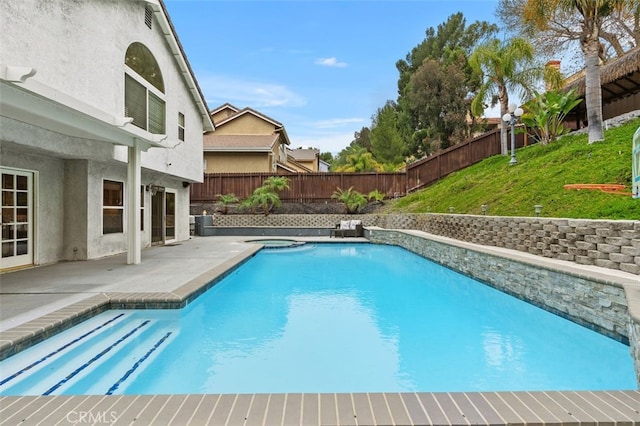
(604, 187)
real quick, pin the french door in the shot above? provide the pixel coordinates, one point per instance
(17, 218)
(163, 213)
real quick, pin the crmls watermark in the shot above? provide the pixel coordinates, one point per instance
(90, 417)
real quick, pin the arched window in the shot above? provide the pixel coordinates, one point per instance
(144, 89)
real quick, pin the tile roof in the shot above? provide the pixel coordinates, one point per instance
(301, 154)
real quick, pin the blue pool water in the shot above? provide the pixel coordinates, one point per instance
(326, 318)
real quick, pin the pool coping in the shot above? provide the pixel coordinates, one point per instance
(445, 408)
(451, 408)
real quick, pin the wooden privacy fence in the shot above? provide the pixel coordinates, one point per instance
(303, 187)
(318, 187)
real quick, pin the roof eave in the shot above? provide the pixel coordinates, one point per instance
(171, 37)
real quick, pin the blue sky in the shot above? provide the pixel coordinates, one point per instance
(322, 68)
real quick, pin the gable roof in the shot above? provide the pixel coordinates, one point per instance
(253, 112)
(293, 161)
(239, 143)
(278, 126)
(304, 154)
(222, 107)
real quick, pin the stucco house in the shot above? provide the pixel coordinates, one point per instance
(305, 158)
(101, 130)
(245, 140)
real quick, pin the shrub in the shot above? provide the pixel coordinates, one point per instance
(226, 200)
(352, 200)
(545, 113)
(376, 196)
(266, 196)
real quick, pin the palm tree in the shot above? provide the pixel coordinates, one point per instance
(589, 16)
(504, 66)
(352, 200)
(277, 183)
(264, 197)
(226, 200)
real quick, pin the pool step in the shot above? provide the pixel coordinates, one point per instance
(99, 360)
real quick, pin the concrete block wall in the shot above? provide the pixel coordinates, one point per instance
(605, 243)
(290, 220)
(613, 244)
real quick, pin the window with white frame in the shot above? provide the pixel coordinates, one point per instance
(181, 126)
(144, 90)
(112, 207)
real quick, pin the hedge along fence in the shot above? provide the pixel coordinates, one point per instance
(318, 187)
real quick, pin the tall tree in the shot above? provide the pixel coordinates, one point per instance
(445, 45)
(439, 94)
(359, 144)
(386, 144)
(505, 66)
(603, 28)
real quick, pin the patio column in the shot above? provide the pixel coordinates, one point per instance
(134, 180)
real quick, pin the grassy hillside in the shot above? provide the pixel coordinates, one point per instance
(538, 178)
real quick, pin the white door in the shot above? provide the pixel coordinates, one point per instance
(17, 218)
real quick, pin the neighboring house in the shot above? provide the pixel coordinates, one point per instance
(304, 159)
(245, 141)
(101, 130)
(323, 166)
(620, 82)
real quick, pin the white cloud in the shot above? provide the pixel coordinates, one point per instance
(336, 122)
(330, 62)
(219, 89)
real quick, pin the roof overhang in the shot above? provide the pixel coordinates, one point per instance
(177, 51)
(25, 99)
(286, 167)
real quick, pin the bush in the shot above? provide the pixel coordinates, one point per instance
(266, 196)
(353, 200)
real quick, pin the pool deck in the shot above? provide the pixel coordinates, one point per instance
(39, 301)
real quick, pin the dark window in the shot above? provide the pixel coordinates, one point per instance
(112, 207)
(147, 108)
(181, 126)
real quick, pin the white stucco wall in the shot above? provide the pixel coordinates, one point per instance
(79, 49)
(49, 217)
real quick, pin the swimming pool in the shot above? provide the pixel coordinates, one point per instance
(325, 319)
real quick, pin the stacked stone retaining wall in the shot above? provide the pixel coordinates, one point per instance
(613, 244)
(599, 305)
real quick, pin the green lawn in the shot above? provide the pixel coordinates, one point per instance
(538, 178)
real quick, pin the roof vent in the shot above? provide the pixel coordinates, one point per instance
(148, 14)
